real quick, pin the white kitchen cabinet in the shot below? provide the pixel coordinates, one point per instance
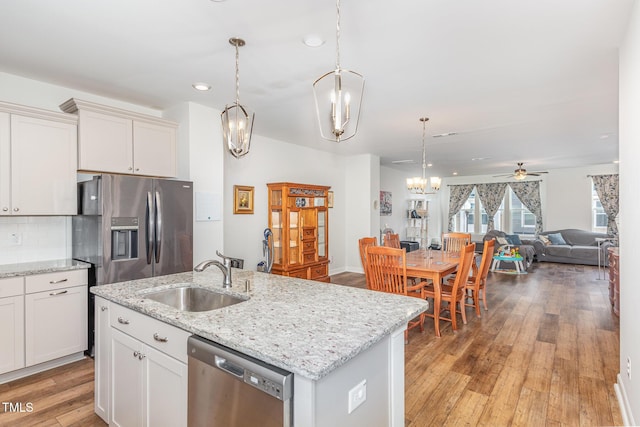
(102, 357)
(55, 318)
(12, 321)
(38, 152)
(148, 370)
(120, 141)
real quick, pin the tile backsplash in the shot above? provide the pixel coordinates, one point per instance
(34, 238)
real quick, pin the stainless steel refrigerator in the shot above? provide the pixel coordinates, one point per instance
(132, 227)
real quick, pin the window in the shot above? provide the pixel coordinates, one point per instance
(599, 218)
(512, 216)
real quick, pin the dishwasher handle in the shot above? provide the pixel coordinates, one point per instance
(223, 364)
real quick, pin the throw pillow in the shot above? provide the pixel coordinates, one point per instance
(544, 239)
(514, 239)
(556, 239)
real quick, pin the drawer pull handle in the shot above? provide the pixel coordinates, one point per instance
(103, 308)
(53, 294)
(159, 338)
(136, 353)
(53, 282)
(141, 356)
(123, 321)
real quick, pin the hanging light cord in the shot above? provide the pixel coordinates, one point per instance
(237, 75)
(424, 151)
(338, 35)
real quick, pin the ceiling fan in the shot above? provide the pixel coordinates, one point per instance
(521, 173)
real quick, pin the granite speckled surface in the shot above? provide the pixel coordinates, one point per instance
(306, 327)
(40, 267)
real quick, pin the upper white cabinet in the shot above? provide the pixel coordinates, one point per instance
(120, 141)
(37, 161)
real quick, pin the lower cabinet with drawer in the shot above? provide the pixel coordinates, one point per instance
(146, 370)
(44, 322)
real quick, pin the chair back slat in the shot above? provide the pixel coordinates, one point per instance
(387, 269)
(454, 242)
(392, 240)
(362, 245)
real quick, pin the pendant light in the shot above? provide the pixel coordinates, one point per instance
(237, 121)
(416, 184)
(338, 96)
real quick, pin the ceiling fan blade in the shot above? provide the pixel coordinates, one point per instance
(503, 175)
(536, 173)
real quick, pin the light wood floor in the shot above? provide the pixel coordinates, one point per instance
(545, 354)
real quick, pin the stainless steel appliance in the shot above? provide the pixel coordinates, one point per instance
(230, 389)
(132, 227)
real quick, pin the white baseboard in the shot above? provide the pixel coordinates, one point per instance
(623, 401)
(25, 372)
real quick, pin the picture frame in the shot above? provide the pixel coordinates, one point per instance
(385, 203)
(330, 199)
(242, 199)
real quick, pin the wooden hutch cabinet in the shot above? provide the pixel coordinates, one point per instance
(299, 220)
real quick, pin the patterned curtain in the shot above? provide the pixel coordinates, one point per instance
(491, 196)
(529, 194)
(607, 189)
(458, 194)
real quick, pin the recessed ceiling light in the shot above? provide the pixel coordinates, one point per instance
(455, 173)
(313, 40)
(397, 162)
(616, 161)
(604, 136)
(479, 158)
(218, 1)
(429, 164)
(203, 87)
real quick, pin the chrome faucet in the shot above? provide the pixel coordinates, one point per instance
(225, 268)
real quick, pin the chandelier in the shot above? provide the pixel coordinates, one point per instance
(237, 121)
(338, 96)
(417, 184)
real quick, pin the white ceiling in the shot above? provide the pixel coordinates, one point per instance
(518, 80)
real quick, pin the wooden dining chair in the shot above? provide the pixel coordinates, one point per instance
(392, 240)
(478, 283)
(454, 242)
(388, 273)
(362, 245)
(452, 293)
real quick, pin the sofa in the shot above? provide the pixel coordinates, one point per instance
(572, 246)
(526, 249)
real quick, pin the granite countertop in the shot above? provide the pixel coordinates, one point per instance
(40, 267)
(306, 327)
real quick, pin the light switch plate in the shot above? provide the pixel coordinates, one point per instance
(357, 395)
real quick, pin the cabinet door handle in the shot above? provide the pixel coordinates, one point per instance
(136, 353)
(16, 209)
(53, 282)
(103, 308)
(4, 209)
(159, 338)
(141, 356)
(53, 294)
(123, 321)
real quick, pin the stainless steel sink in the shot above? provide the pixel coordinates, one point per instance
(189, 298)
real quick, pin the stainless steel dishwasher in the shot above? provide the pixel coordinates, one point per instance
(231, 389)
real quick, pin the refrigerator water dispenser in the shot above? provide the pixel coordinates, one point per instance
(124, 238)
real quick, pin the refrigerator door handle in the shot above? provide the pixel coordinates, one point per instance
(158, 243)
(150, 227)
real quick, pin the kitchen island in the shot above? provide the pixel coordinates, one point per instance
(331, 337)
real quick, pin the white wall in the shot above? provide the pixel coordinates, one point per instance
(201, 160)
(270, 160)
(629, 387)
(362, 184)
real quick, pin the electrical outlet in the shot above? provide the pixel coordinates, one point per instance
(357, 395)
(15, 239)
(629, 367)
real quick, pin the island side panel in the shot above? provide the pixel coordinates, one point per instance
(326, 402)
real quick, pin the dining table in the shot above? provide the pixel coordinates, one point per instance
(433, 265)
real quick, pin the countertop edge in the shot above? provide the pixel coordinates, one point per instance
(40, 267)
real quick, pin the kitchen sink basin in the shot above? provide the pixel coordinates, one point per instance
(189, 298)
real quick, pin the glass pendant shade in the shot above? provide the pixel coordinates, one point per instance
(416, 184)
(338, 96)
(237, 127)
(435, 183)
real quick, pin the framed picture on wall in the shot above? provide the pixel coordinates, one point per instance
(242, 199)
(385, 203)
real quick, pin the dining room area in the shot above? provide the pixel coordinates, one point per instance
(534, 349)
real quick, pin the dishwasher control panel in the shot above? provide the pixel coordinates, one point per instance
(268, 386)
